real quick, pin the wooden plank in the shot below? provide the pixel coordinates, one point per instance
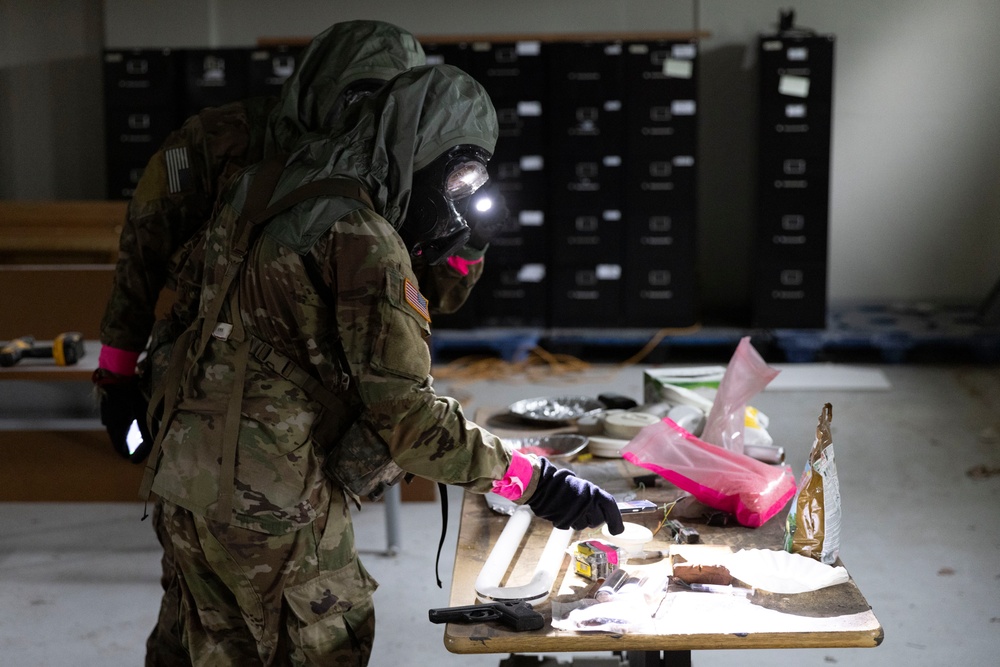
(46, 300)
(54, 231)
(65, 466)
(90, 213)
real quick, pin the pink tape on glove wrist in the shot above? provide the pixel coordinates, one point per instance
(462, 265)
(517, 478)
(119, 362)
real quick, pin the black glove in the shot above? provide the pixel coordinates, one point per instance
(122, 403)
(484, 225)
(570, 502)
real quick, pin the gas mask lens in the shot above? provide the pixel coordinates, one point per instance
(465, 179)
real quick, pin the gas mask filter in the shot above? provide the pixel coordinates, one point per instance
(435, 227)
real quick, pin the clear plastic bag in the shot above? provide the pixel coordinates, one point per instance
(625, 614)
(728, 481)
(746, 375)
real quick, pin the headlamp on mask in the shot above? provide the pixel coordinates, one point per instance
(434, 227)
(483, 203)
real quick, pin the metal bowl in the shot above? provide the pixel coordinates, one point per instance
(554, 410)
(558, 446)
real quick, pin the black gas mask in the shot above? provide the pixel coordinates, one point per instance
(435, 226)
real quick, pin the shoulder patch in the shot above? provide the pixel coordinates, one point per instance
(416, 299)
(178, 169)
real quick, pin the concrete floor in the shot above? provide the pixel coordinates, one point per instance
(921, 536)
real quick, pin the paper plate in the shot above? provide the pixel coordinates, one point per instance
(558, 446)
(783, 572)
(554, 410)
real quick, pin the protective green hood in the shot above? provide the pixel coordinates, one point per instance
(343, 54)
(380, 141)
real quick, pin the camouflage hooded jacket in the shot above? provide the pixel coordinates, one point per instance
(181, 182)
(331, 279)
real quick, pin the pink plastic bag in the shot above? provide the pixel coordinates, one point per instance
(746, 375)
(731, 482)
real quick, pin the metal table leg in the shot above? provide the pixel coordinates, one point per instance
(392, 500)
(658, 659)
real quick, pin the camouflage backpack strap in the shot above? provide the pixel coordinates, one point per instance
(261, 189)
(264, 182)
(247, 343)
(165, 396)
(291, 371)
(255, 212)
(234, 411)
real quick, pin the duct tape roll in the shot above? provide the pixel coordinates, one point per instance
(627, 425)
(607, 448)
(592, 423)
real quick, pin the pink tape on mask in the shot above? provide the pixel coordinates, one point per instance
(517, 478)
(462, 265)
(119, 362)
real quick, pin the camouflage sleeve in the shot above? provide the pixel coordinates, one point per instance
(447, 286)
(173, 199)
(385, 324)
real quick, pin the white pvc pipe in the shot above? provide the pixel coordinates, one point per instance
(537, 590)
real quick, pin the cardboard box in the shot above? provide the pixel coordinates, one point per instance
(681, 385)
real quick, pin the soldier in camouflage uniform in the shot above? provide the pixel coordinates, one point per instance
(256, 468)
(176, 196)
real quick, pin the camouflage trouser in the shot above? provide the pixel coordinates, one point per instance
(248, 598)
(164, 647)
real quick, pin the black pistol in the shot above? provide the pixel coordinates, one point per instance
(515, 614)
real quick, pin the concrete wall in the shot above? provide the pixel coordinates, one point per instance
(51, 141)
(915, 203)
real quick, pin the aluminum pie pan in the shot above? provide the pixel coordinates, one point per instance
(556, 446)
(554, 409)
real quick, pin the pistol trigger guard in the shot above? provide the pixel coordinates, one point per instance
(480, 615)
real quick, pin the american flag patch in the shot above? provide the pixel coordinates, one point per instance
(416, 299)
(178, 169)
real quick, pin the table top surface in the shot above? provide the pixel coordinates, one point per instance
(837, 616)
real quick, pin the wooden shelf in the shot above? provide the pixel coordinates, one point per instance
(61, 231)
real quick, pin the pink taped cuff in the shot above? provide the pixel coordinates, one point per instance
(516, 480)
(462, 265)
(119, 362)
